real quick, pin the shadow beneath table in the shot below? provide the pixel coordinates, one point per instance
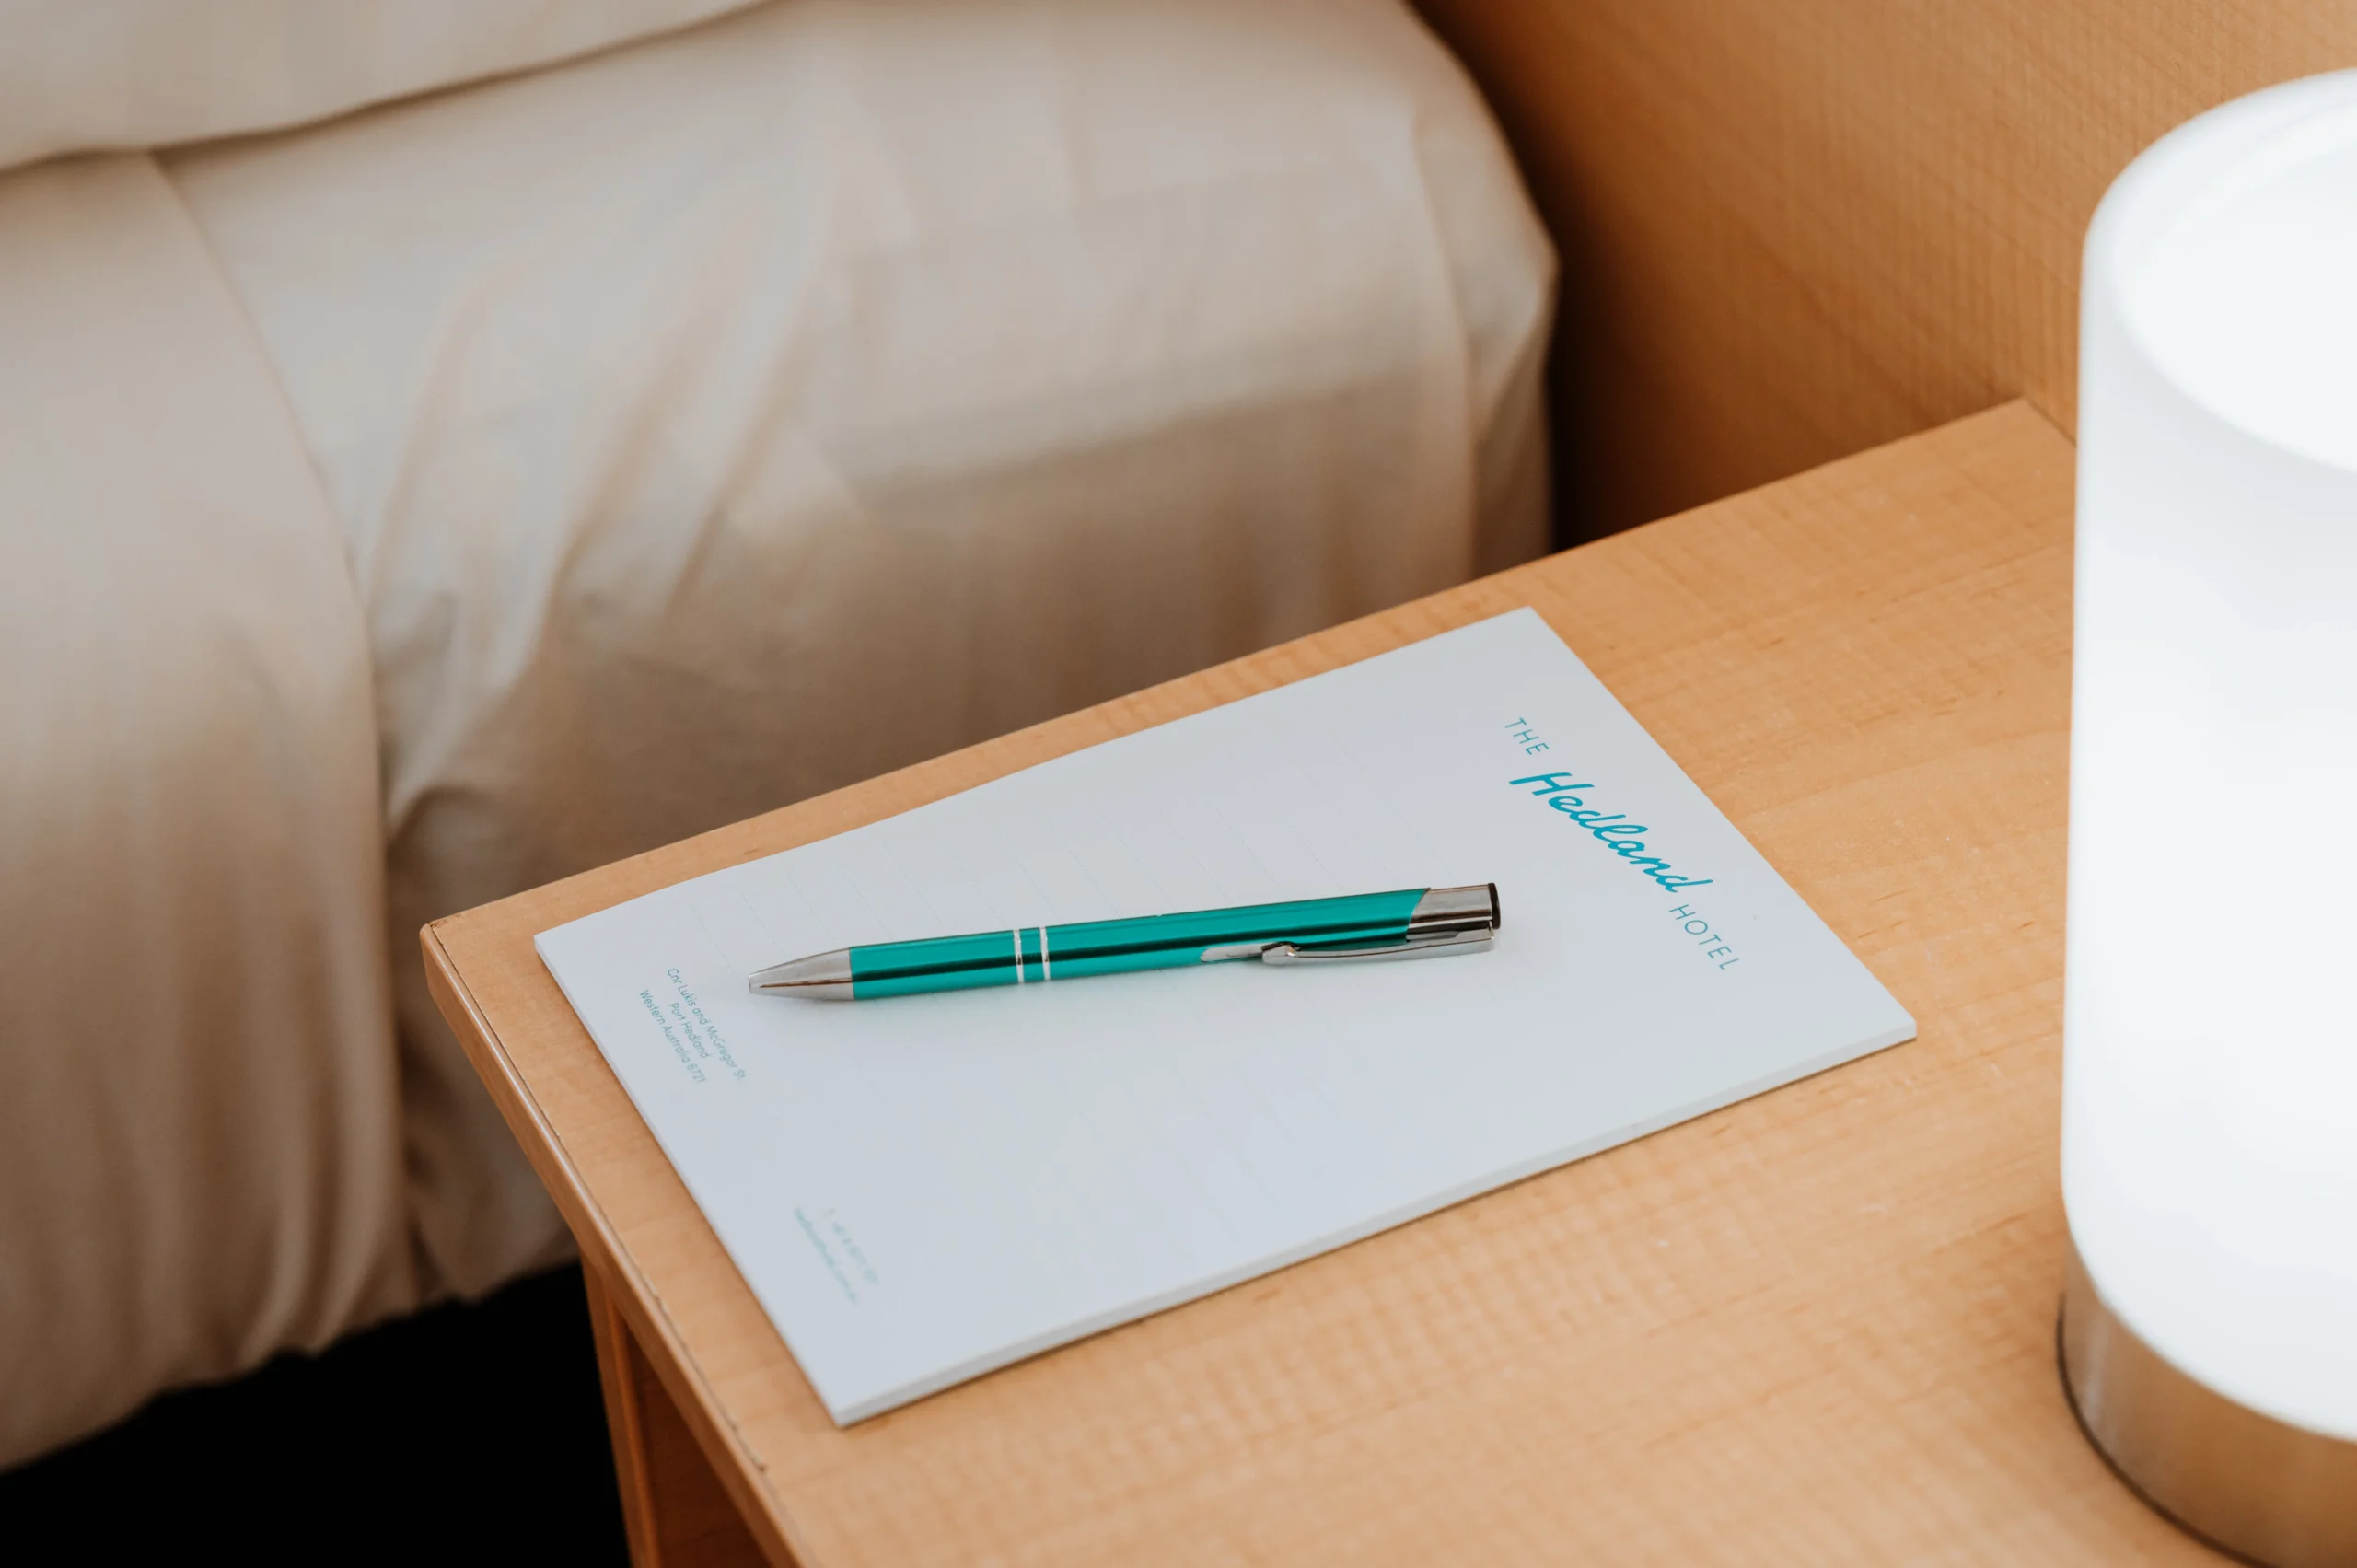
(465, 1433)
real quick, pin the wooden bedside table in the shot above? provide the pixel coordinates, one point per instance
(1816, 1327)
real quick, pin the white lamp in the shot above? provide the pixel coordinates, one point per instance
(2210, 1065)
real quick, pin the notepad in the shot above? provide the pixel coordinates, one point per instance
(921, 1190)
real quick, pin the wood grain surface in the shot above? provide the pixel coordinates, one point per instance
(1814, 1328)
(1793, 229)
(676, 1509)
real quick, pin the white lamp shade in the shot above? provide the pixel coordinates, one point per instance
(2210, 1082)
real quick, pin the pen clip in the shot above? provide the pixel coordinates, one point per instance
(1439, 945)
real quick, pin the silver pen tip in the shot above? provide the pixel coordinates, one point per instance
(821, 977)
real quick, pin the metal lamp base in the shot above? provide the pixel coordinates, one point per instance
(2266, 1491)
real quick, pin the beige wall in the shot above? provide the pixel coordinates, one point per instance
(1794, 228)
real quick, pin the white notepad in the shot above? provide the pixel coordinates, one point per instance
(922, 1188)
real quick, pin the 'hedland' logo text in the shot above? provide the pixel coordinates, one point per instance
(1613, 829)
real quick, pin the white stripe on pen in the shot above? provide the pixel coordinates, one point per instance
(1043, 953)
(1018, 934)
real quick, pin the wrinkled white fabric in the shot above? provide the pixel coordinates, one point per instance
(200, 1151)
(743, 413)
(79, 74)
(489, 485)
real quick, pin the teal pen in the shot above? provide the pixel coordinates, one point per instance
(1414, 923)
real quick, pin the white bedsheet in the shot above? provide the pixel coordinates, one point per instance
(200, 1144)
(82, 75)
(704, 424)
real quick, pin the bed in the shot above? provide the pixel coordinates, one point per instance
(414, 501)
